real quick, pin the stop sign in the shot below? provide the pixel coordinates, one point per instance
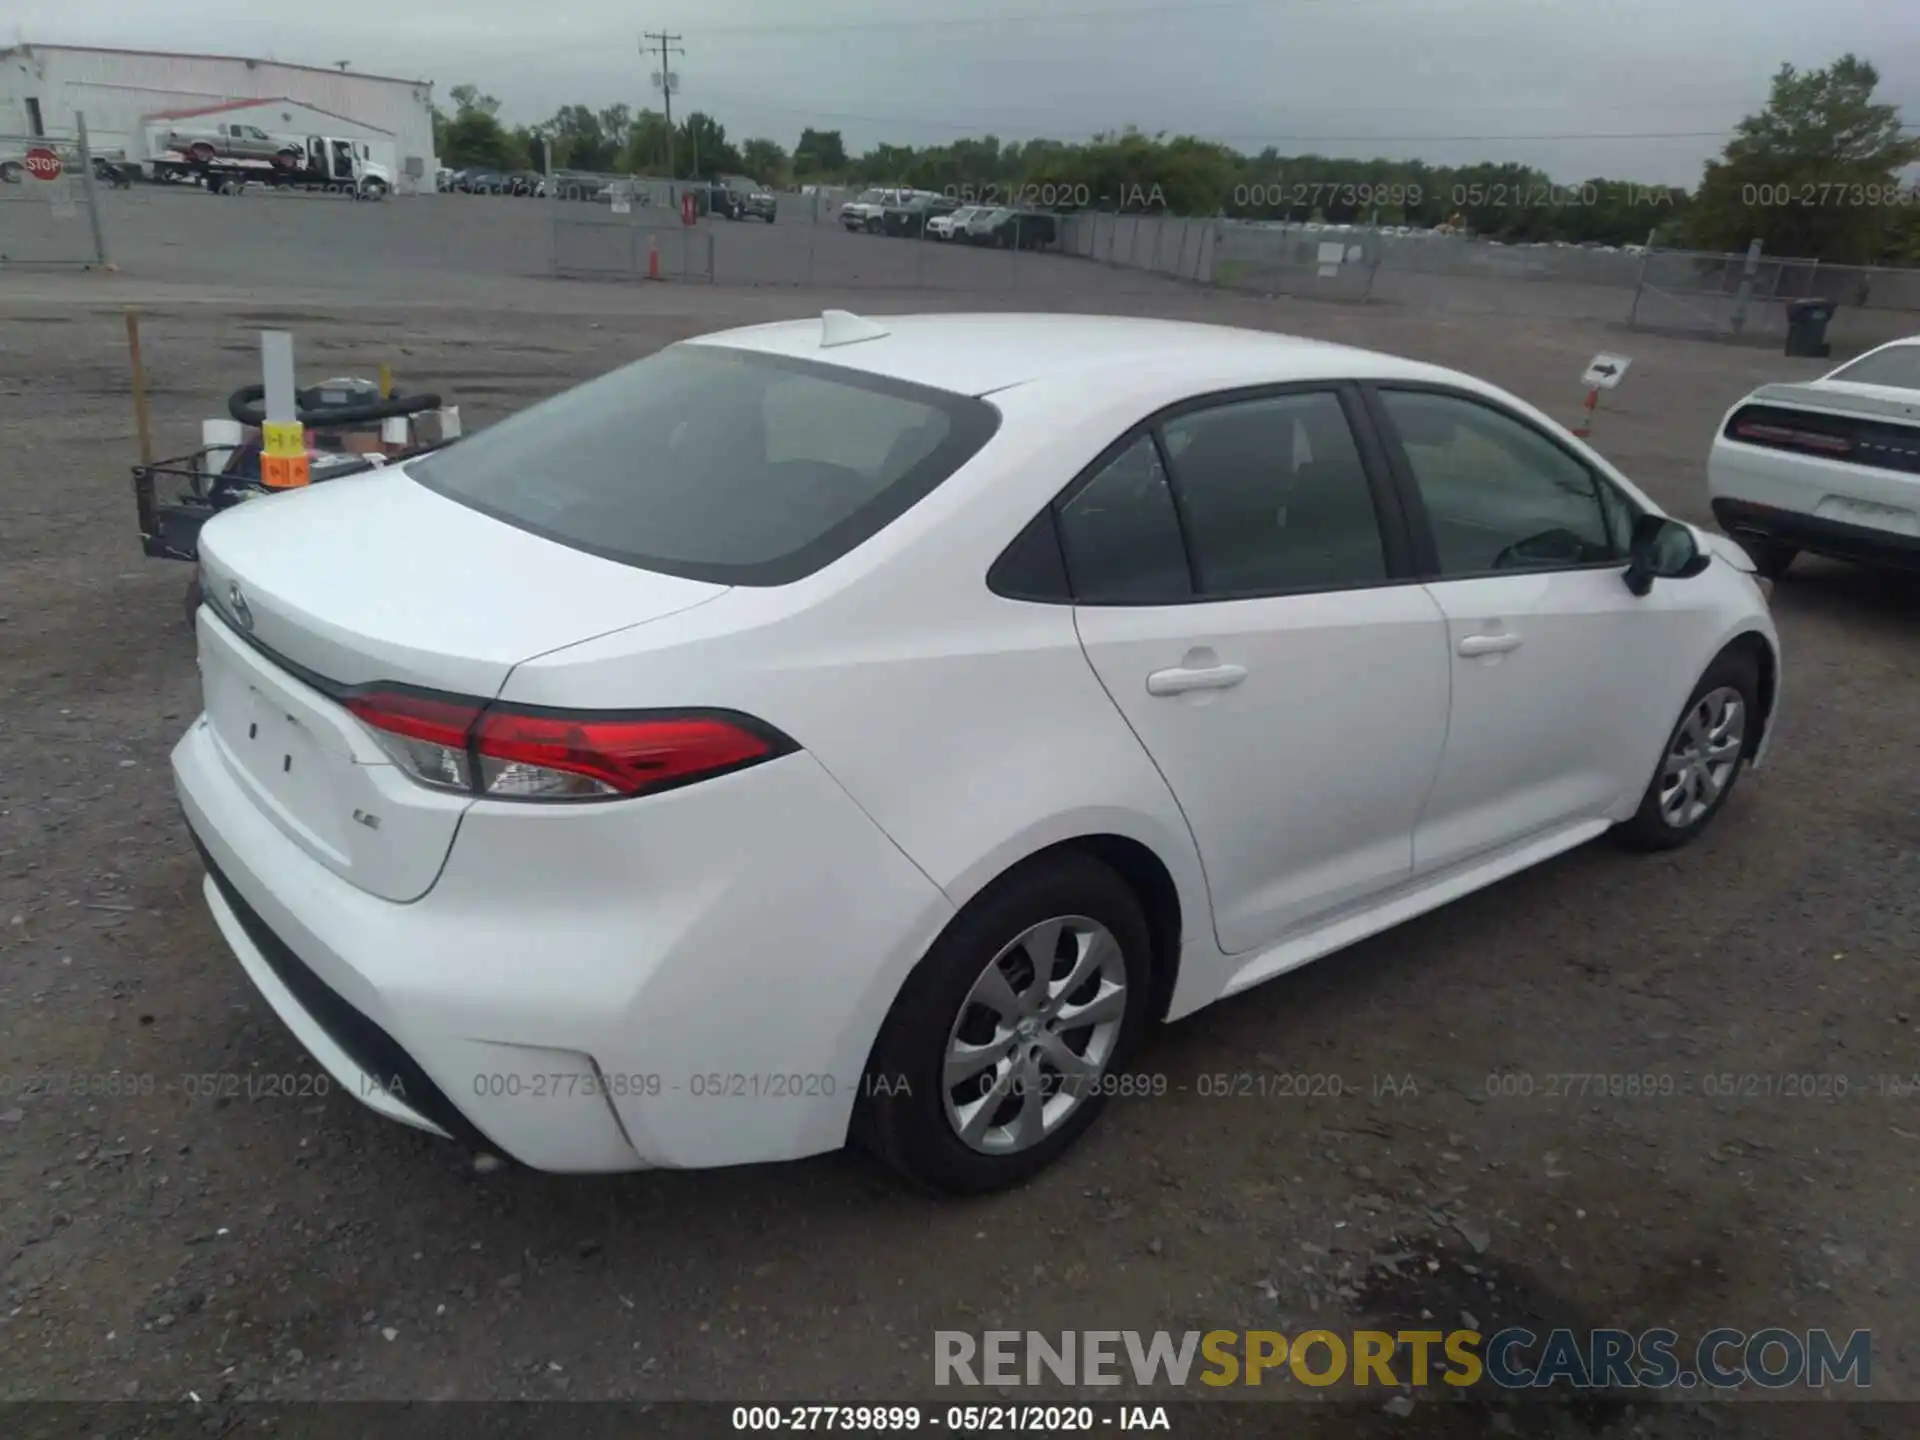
(43, 164)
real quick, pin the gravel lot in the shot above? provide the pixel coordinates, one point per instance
(298, 1248)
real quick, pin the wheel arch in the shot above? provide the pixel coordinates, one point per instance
(1766, 657)
(1152, 883)
(1140, 867)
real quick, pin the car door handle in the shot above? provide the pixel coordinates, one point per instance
(1489, 644)
(1179, 681)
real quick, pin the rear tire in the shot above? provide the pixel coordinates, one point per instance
(1073, 911)
(1696, 774)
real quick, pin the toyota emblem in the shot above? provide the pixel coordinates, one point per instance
(237, 599)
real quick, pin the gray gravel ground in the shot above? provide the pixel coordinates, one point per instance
(301, 1249)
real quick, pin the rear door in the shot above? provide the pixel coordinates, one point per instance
(1562, 677)
(1243, 590)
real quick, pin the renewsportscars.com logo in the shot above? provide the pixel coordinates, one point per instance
(1510, 1359)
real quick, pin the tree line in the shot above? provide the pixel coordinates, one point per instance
(1819, 173)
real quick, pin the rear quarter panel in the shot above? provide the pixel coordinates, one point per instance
(969, 727)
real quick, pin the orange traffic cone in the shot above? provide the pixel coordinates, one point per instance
(653, 259)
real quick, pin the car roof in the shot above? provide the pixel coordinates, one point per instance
(976, 354)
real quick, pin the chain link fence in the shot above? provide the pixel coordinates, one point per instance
(50, 202)
(634, 231)
(1749, 297)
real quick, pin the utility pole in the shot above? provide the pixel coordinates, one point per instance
(666, 80)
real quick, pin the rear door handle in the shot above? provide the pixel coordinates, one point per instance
(1179, 682)
(1489, 644)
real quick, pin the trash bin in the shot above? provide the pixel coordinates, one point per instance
(1807, 328)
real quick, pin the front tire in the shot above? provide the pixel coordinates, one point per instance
(1703, 756)
(1004, 1043)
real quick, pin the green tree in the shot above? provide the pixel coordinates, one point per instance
(648, 140)
(473, 135)
(820, 153)
(580, 138)
(764, 160)
(700, 149)
(468, 100)
(1809, 175)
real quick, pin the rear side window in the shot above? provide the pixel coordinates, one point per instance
(716, 464)
(1897, 365)
(1275, 497)
(1122, 537)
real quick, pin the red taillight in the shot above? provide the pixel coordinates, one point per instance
(417, 717)
(523, 754)
(618, 756)
(425, 734)
(1814, 441)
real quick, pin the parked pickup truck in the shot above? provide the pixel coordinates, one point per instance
(231, 142)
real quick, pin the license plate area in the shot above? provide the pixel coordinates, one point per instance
(1848, 511)
(299, 774)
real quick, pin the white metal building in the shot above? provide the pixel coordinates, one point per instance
(122, 91)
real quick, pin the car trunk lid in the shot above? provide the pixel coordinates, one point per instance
(375, 579)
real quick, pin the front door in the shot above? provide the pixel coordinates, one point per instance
(1560, 673)
(1238, 600)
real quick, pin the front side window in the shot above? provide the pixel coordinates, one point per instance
(1275, 497)
(1499, 494)
(716, 464)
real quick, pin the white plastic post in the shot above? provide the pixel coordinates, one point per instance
(219, 439)
(276, 370)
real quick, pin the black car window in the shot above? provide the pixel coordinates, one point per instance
(1121, 535)
(1897, 365)
(1275, 497)
(714, 463)
(1498, 493)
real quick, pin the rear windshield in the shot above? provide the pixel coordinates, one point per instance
(715, 464)
(1897, 365)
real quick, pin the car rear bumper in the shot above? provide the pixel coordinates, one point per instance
(688, 980)
(1816, 534)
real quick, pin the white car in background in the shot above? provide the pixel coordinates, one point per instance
(945, 227)
(837, 729)
(866, 208)
(1831, 466)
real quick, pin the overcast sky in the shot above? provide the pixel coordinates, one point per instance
(1396, 78)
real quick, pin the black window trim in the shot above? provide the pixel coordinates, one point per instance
(1414, 505)
(975, 423)
(1397, 537)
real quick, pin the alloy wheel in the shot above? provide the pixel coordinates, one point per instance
(1034, 1036)
(1703, 756)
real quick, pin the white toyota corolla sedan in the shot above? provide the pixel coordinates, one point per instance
(864, 730)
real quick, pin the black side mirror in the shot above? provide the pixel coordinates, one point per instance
(1662, 549)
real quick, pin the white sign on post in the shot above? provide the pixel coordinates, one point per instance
(1605, 371)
